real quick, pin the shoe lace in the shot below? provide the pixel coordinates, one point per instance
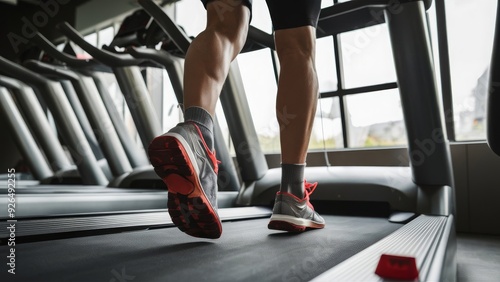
(309, 188)
(215, 161)
(211, 154)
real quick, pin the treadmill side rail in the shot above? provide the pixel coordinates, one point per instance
(429, 239)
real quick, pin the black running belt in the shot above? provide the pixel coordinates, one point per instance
(247, 251)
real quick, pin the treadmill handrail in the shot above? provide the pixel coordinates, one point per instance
(160, 56)
(352, 6)
(12, 69)
(180, 39)
(261, 37)
(103, 56)
(50, 49)
(349, 7)
(10, 83)
(57, 71)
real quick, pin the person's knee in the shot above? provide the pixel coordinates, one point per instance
(296, 42)
(229, 19)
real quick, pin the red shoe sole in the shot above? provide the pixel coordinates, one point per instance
(285, 226)
(187, 204)
(290, 227)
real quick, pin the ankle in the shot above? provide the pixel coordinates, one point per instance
(205, 123)
(292, 179)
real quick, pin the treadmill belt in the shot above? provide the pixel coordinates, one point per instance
(247, 251)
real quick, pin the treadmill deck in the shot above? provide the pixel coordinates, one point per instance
(247, 251)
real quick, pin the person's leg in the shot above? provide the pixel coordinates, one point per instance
(184, 156)
(211, 52)
(295, 38)
(297, 91)
(296, 102)
(208, 59)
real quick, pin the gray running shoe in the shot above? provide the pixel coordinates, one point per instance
(189, 169)
(293, 214)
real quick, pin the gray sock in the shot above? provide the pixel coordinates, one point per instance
(292, 179)
(204, 121)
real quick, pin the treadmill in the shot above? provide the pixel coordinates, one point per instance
(96, 112)
(66, 120)
(349, 247)
(35, 137)
(92, 68)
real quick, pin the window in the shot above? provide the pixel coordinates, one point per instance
(105, 36)
(172, 111)
(470, 33)
(191, 16)
(260, 88)
(327, 127)
(97, 38)
(375, 119)
(325, 65)
(326, 3)
(91, 38)
(367, 57)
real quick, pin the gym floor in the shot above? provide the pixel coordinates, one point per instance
(478, 258)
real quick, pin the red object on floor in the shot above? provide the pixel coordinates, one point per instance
(397, 267)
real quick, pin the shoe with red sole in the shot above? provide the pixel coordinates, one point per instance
(186, 165)
(293, 214)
